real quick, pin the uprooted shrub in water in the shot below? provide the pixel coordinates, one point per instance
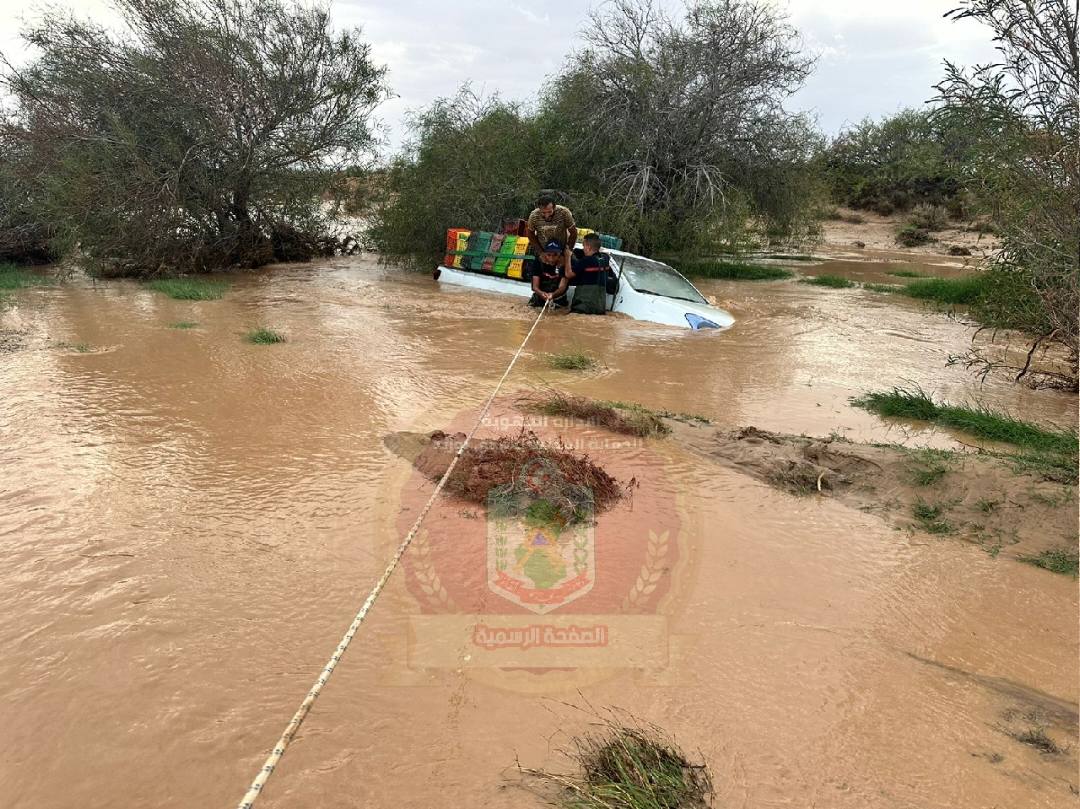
(624, 766)
(494, 463)
(618, 417)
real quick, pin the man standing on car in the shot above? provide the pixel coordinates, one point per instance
(551, 274)
(550, 222)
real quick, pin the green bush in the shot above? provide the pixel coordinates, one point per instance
(911, 236)
(928, 217)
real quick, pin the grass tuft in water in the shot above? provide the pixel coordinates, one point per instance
(929, 466)
(619, 417)
(906, 274)
(734, 270)
(883, 287)
(831, 281)
(571, 361)
(929, 518)
(1038, 738)
(263, 336)
(965, 290)
(624, 767)
(183, 324)
(1056, 560)
(915, 403)
(189, 289)
(12, 276)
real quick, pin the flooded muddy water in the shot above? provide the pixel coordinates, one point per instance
(189, 522)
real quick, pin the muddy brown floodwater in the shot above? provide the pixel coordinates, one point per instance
(188, 522)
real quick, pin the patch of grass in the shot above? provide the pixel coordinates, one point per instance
(264, 336)
(929, 466)
(677, 415)
(619, 417)
(883, 287)
(734, 270)
(906, 274)
(914, 403)
(928, 217)
(571, 361)
(831, 281)
(1056, 560)
(965, 290)
(986, 506)
(189, 289)
(929, 518)
(623, 767)
(183, 324)
(12, 276)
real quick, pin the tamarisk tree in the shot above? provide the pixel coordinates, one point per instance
(200, 135)
(1023, 114)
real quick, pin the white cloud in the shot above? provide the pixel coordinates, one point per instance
(873, 57)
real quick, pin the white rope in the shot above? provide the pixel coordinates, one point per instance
(305, 706)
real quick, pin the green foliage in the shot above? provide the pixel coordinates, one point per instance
(184, 325)
(831, 281)
(572, 361)
(264, 336)
(12, 277)
(882, 287)
(895, 163)
(965, 290)
(200, 135)
(1057, 560)
(929, 518)
(189, 289)
(911, 236)
(736, 270)
(905, 274)
(915, 403)
(665, 166)
(928, 217)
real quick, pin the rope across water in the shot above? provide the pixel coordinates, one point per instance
(305, 706)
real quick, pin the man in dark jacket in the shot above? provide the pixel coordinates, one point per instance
(590, 269)
(551, 274)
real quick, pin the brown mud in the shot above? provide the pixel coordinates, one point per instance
(188, 523)
(976, 497)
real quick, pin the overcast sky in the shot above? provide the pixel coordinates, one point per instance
(874, 56)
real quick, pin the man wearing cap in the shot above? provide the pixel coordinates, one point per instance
(550, 222)
(551, 274)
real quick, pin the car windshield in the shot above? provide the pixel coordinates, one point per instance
(655, 278)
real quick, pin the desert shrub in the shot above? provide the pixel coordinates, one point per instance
(928, 217)
(911, 236)
(140, 146)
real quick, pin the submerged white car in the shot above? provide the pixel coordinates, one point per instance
(648, 290)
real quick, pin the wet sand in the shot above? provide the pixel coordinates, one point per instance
(189, 522)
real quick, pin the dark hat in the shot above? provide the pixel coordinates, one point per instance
(553, 247)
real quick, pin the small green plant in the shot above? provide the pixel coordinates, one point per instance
(987, 506)
(831, 281)
(623, 767)
(929, 466)
(965, 290)
(263, 336)
(183, 324)
(734, 270)
(189, 289)
(929, 518)
(571, 361)
(1056, 560)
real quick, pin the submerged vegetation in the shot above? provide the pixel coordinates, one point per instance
(621, 766)
(15, 277)
(264, 336)
(831, 281)
(572, 361)
(619, 417)
(189, 289)
(1050, 452)
(1056, 560)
